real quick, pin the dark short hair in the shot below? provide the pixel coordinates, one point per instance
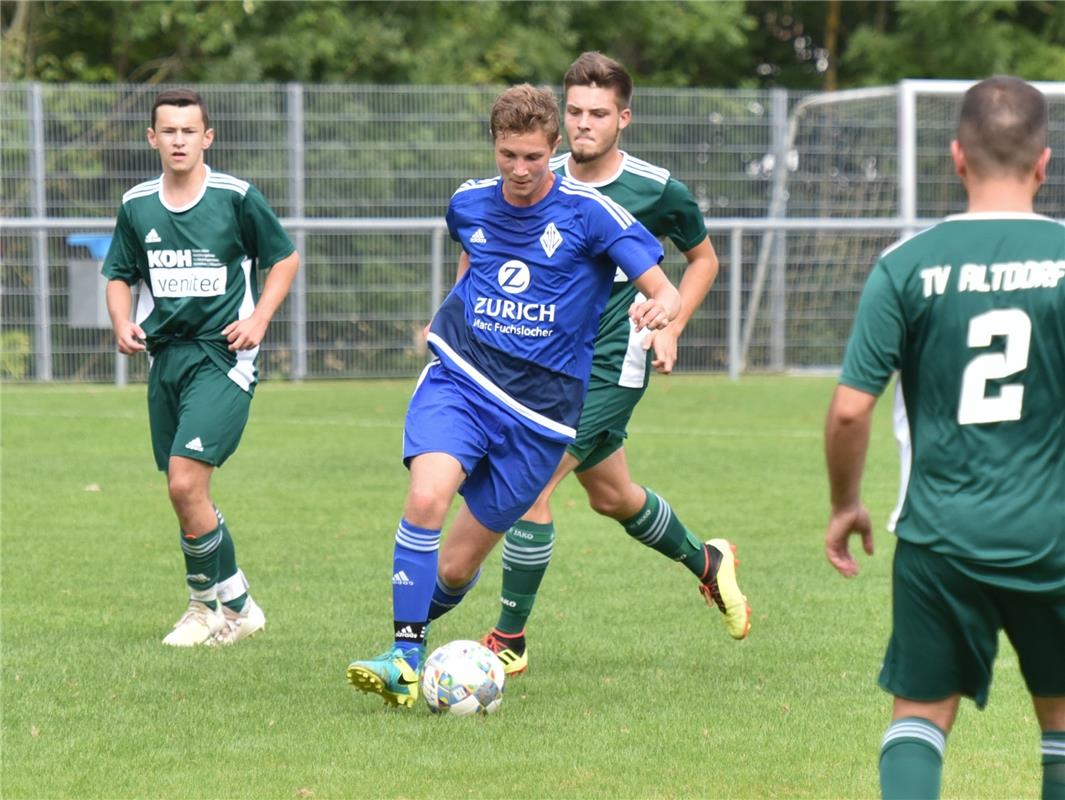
(595, 69)
(180, 98)
(1003, 126)
(525, 108)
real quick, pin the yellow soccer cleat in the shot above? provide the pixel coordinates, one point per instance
(514, 663)
(722, 590)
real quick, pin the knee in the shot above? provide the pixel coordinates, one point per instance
(454, 572)
(426, 508)
(608, 502)
(182, 488)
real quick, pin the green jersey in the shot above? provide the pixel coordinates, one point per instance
(665, 207)
(197, 264)
(972, 314)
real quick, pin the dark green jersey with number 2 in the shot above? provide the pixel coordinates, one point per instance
(971, 312)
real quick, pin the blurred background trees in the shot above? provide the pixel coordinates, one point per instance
(819, 44)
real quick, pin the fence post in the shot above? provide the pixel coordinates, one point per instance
(907, 144)
(297, 195)
(735, 287)
(42, 291)
(436, 272)
(778, 306)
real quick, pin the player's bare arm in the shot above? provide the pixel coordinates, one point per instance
(662, 304)
(698, 277)
(129, 336)
(846, 443)
(244, 334)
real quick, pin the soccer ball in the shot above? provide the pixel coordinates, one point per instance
(463, 678)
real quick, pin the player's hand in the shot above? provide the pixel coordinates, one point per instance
(244, 334)
(664, 342)
(841, 525)
(650, 314)
(129, 337)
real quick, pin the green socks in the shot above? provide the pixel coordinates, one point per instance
(1053, 745)
(201, 565)
(526, 554)
(656, 526)
(911, 760)
(232, 587)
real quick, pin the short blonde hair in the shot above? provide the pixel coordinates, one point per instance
(525, 108)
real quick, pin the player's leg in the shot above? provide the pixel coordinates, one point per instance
(527, 549)
(911, 752)
(213, 414)
(1050, 711)
(394, 674)
(1035, 624)
(649, 519)
(943, 643)
(443, 440)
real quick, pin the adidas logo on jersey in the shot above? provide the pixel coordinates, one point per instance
(551, 239)
(478, 237)
(152, 237)
(401, 579)
(194, 444)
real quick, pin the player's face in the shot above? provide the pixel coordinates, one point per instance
(180, 138)
(593, 122)
(523, 159)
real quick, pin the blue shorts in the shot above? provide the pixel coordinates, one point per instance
(507, 463)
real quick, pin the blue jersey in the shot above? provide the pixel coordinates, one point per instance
(521, 322)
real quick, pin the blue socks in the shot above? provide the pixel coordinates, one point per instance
(414, 563)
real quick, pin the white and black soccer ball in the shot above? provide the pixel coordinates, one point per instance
(463, 678)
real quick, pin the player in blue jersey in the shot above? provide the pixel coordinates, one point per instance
(494, 410)
(971, 313)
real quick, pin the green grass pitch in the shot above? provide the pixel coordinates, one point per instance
(634, 690)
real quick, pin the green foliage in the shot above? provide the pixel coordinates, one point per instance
(14, 354)
(723, 43)
(971, 39)
(634, 689)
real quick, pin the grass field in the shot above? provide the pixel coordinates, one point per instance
(634, 689)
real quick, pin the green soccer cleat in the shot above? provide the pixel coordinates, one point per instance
(506, 650)
(721, 590)
(388, 675)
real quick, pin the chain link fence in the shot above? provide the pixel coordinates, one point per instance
(800, 192)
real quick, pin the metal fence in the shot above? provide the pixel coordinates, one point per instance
(800, 192)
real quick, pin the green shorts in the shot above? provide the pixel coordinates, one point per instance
(194, 409)
(945, 628)
(604, 419)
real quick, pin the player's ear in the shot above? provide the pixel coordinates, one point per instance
(624, 118)
(208, 137)
(558, 141)
(958, 156)
(1041, 165)
(151, 138)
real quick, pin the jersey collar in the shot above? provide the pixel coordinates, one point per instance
(981, 215)
(597, 184)
(193, 202)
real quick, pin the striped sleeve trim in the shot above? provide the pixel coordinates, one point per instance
(142, 190)
(623, 217)
(638, 166)
(219, 180)
(913, 729)
(483, 183)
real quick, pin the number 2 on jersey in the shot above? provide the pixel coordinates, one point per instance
(974, 405)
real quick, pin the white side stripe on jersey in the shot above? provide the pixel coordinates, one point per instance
(473, 183)
(640, 167)
(504, 398)
(143, 190)
(623, 217)
(220, 180)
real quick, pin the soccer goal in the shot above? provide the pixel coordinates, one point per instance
(853, 171)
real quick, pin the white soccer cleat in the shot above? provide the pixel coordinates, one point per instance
(237, 626)
(198, 624)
